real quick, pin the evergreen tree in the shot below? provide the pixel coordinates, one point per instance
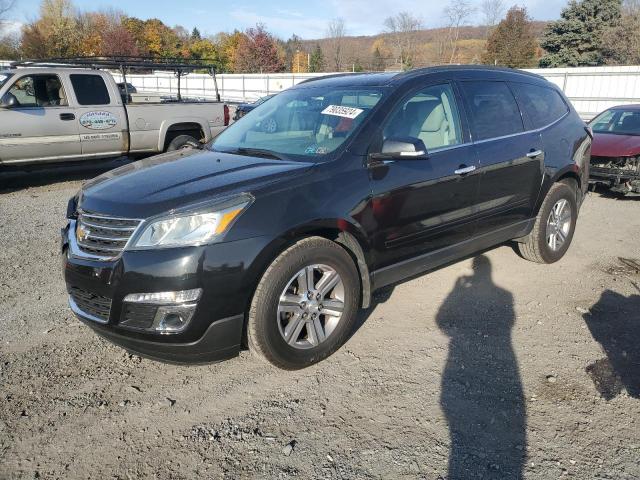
(576, 39)
(316, 62)
(512, 43)
(195, 34)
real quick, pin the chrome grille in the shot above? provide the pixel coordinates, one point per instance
(103, 236)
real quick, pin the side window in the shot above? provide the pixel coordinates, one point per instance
(90, 89)
(430, 115)
(39, 91)
(542, 105)
(493, 109)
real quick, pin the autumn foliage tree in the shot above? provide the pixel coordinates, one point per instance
(512, 43)
(257, 52)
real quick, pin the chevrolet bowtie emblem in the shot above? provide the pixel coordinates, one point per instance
(82, 233)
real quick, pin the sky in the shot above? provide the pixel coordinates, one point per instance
(306, 18)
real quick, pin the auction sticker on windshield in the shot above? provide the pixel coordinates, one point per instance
(339, 111)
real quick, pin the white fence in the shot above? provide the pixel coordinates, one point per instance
(591, 89)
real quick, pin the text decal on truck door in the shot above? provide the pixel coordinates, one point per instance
(98, 120)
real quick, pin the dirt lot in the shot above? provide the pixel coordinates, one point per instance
(490, 368)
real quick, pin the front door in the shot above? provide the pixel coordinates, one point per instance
(423, 205)
(511, 159)
(101, 116)
(39, 125)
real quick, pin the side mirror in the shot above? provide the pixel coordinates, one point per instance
(402, 148)
(8, 100)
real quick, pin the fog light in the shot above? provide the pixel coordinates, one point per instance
(173, 318)
(165, 298)
(175, 311)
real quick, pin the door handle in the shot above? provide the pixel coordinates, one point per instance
(535, 153)
(67, 116)
(464, 170)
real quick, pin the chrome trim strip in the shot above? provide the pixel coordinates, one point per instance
(118, 229)
(81, 313)
(106, 217)
(106, 239)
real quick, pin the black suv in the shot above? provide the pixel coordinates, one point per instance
(276, 238)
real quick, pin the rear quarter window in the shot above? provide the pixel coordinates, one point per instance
(493, 109)
(90, 89)
(542, 105)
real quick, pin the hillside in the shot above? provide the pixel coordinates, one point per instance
(431, 47)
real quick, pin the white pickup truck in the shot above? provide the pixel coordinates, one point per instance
(58, 114)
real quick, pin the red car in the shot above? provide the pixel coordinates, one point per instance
(615, 153)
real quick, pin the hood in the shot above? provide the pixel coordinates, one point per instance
(162, 183)
(611, 145)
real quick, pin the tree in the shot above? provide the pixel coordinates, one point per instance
(316, 61)
(195, 34)
(55, 34)
(291, 47)
(457, 13)
(336, 32)
(512, 43)
(621, 44)
(258, 52)
(300, 63)
(577, 38)
(377, 63)
(402, 29)
(492, 13)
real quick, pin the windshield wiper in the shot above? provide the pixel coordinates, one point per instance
(257, 152)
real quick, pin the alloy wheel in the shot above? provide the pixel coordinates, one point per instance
(559, 224)
(311, 306)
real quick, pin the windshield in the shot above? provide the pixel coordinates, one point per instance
(4, 77)
(618, 122)
(304, 122)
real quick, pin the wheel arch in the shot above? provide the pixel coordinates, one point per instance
(343, 232)
(173, 128)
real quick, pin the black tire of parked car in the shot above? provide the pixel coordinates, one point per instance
(263, 334)
(535, 247)
(183, 141)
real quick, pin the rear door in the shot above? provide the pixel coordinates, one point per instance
(511, 159)
(101, 116)
(41, 125)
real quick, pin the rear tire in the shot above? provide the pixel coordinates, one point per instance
(183, 141)
(305, 305)
(554, 227)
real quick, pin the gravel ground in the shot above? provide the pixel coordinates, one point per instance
(490, 368)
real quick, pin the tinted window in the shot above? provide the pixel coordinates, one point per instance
(90, 90)
(493, 109)
(542, 105)
(39, 91)
(430, 115)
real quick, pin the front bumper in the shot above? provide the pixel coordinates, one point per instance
(226, 272)
(624, 180)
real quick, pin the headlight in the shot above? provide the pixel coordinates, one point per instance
(185, 229)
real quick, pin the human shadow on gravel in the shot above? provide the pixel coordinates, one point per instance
(482, 395)
(614, 322)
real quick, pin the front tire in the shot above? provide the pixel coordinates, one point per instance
(305, 305)
(554, 227)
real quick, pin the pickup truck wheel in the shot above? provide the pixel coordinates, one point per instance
(305, 305)
(183, 141)
(555, 224)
